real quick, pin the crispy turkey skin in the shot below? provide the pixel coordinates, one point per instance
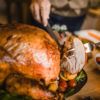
(33, 52)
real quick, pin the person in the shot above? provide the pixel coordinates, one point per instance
(41, 10)
(68, 12)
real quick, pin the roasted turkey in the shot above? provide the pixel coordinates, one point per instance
(31, 52)
(30, 61)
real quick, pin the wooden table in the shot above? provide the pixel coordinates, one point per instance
(92, 87)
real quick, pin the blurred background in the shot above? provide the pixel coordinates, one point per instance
(18, 11)
(13, 11)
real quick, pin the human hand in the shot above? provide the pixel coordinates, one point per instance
(40, 10)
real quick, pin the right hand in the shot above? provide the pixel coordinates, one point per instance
(40, 10)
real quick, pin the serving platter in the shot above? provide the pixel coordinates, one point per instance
(81, 81)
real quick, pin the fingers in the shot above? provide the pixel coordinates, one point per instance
(45, 11)
(40, 10)
(35, 11)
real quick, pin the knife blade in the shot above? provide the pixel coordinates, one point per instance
(52, 34)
